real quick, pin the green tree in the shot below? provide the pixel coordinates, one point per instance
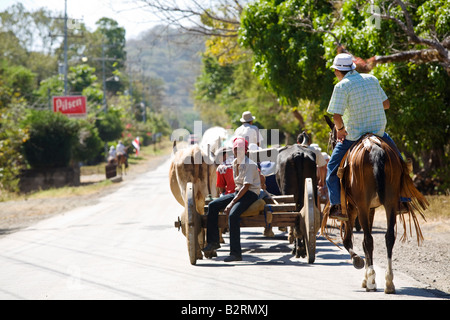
(12, 110)
(288, 59)
(406, 45)
(109, 125)
(107, 45)
(403, 50)
(52, 137)
(81, 77)
(18, 78)
(89, 145)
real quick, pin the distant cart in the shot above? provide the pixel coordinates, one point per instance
(306, 222)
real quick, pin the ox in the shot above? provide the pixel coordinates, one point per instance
(191, 164)
(294, 164)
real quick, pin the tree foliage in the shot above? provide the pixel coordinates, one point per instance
(287, 59)
(51, 139)
(12, 109)
(418, 88)
(404, 45)
(33, 136)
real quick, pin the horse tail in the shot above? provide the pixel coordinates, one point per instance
(377, 157)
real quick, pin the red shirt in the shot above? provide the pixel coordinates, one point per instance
(225, 178)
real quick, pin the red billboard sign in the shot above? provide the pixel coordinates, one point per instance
(70, 105)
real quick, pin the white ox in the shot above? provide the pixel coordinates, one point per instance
(197, 165)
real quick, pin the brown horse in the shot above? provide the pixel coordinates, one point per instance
(122, 163)
(372, 174)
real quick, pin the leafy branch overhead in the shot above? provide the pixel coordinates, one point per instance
(419, 30)
(288, 47)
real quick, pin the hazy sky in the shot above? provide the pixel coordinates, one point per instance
(126, 12)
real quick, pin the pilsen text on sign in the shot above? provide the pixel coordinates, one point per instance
(70, 105)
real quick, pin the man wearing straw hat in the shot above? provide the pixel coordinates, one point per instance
(357, 104)
(248, 130)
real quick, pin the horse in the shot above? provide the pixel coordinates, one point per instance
(373, 174)
(122, 162)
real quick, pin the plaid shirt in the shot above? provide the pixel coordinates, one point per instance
(359, 99)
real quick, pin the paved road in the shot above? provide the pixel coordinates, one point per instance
(125, 247)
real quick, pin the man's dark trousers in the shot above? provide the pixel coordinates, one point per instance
(214, 207)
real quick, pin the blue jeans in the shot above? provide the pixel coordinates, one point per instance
(234, 219)
(334, 187)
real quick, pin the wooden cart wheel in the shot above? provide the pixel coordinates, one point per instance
(192, 223)
(309, 219)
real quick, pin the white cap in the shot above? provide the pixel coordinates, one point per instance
(343, 62)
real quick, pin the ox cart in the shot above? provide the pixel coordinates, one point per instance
(305, 222)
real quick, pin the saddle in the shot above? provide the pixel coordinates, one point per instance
(365, 142)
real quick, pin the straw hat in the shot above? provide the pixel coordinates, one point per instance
(247, 117)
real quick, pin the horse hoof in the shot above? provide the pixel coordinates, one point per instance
(211, 255)
(358, 262)
(389, 290)
(268, 233)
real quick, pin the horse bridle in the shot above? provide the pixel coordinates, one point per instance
(332, 141)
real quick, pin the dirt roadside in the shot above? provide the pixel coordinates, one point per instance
(428, 263)
(16, 215)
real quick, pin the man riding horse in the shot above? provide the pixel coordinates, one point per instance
(371, 173)
(357, 104)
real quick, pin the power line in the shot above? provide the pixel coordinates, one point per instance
(65, 35)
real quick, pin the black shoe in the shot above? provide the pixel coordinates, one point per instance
(336, 213)
(232, 257)
(210, 247)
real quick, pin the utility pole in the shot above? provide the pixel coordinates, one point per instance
(65, 65)
(65, 48)
(105, 106)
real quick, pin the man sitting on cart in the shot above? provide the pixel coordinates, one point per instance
(248, 185)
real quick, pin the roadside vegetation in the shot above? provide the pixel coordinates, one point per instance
(137, 164)
(271, 57)
(32, 71)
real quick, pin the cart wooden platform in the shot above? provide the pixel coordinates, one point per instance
(306, 222)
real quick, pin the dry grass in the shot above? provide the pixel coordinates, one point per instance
(439, 207)
(70, 191)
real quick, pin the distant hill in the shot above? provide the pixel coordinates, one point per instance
(173, 56)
